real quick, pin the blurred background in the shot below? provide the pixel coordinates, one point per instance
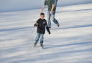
(15, 5)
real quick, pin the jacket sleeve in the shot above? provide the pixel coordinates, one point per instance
(36, 24)
(48, 30)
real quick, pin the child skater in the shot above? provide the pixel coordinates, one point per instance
(41, 25)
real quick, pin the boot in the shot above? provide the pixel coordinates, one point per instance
(35, 44)
(55, 21)
(41, 43)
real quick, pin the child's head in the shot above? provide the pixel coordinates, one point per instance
(42, 15)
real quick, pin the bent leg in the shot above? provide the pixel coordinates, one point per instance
(56, 22)
(54, 19)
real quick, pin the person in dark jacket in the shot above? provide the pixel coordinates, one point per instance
(41, 25)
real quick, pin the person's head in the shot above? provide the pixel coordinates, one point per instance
(42, 15)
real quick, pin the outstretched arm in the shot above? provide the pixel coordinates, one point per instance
(44, 5)
(42, 8)
(54, 5)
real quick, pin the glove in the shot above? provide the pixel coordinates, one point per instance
(49, 33)
(36, 24)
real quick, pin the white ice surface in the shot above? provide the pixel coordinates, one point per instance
(70, 43)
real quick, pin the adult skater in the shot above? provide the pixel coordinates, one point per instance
(51, 4)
